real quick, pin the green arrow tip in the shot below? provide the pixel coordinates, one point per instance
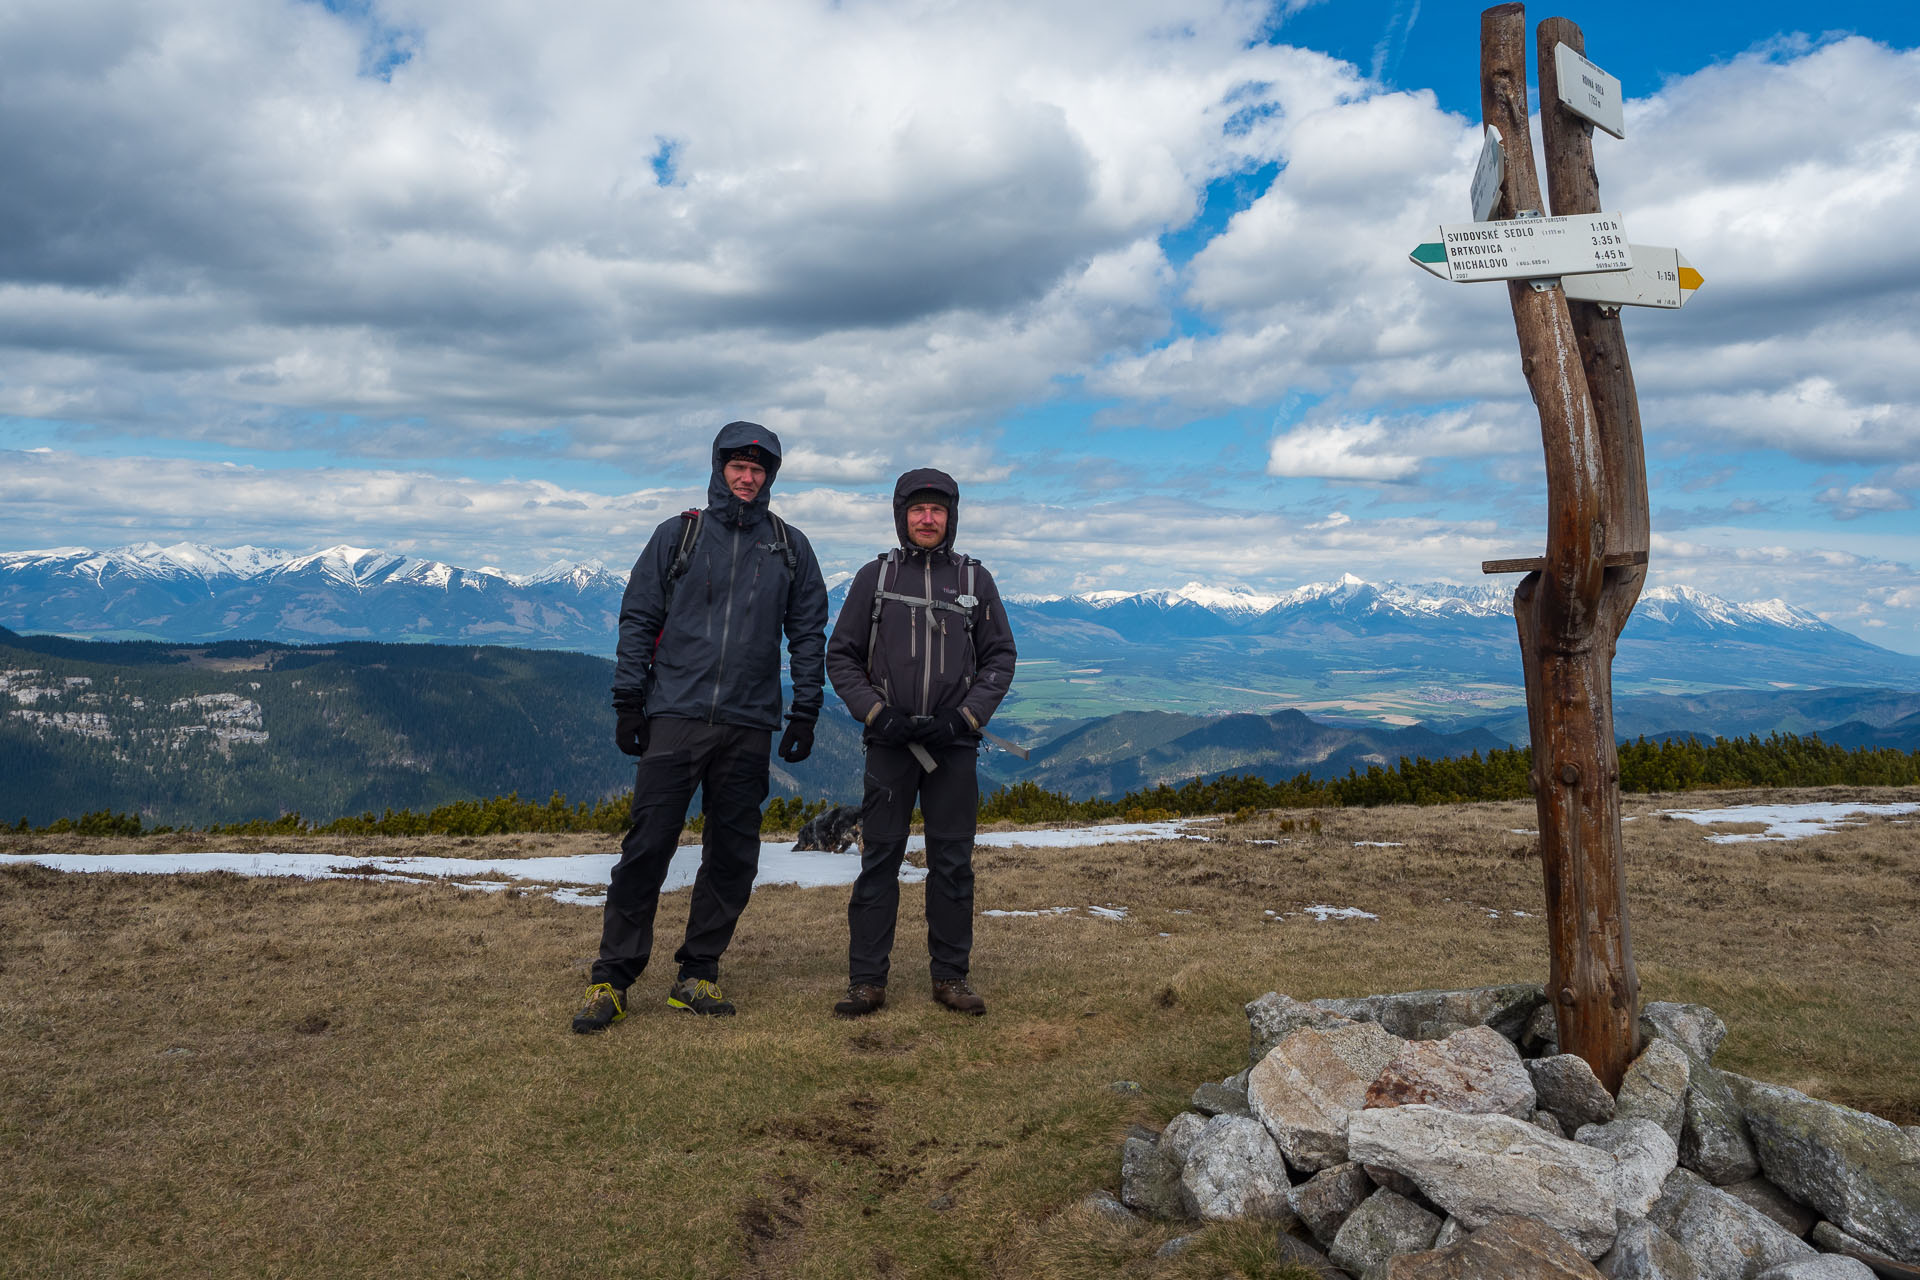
(1431, 252)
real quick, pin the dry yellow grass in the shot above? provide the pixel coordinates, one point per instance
(274, 1078)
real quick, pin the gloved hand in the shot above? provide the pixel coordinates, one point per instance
(797, 743)
(943, 730)
(890, 729)
(630, 731)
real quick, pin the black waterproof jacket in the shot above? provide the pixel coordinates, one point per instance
(918, 659)
(718, 647)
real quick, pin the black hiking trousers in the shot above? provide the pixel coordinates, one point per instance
(728, 764)
(950, 806)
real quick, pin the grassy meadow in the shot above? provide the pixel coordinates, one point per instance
(219, 1076)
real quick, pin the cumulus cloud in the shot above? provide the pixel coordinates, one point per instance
(613, 220)
(413, 234)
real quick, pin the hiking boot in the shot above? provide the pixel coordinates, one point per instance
(862, 999)
(958, 996)
(604, 1006)
(697, 995)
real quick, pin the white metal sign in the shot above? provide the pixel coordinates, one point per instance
(1660, 277)
(1487, 175)
(1589, 92)
(1529, 248)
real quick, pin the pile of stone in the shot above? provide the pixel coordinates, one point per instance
(1442, 1133)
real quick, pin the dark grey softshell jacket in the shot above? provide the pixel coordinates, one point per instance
(718, 658)
(924, 660)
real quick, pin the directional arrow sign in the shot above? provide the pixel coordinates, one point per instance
(1660, 277)
(1487, 175)
(1527, 248)
(1589, 92)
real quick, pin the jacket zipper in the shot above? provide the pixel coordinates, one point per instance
(726, 628)
(926, 667)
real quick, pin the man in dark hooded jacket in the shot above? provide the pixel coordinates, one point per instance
(696, 691)
(922, 655)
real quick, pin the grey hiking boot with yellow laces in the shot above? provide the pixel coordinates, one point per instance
(697, 995)
(957, 995)
(604, 1006)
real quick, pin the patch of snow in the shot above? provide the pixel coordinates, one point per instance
(1325, 913)
(779, 864)
(1787, 821)
(1378, 844)
(562, 876)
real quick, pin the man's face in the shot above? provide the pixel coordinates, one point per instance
(744, 478)
(927, 524)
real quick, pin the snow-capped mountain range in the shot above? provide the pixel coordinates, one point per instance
(1216, 636)
(356, 567)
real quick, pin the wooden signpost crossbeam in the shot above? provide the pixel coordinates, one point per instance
(1572, 604)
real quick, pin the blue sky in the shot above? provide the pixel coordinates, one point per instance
(472, 282)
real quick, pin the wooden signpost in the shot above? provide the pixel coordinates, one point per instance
(1575, 599)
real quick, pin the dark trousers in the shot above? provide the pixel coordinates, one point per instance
(949, 806)
(728, 764)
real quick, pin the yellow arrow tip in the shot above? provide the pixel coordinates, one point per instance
(1691, 279)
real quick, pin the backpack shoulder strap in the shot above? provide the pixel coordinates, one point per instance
(887, 560)
(683, 557)
(785, 543)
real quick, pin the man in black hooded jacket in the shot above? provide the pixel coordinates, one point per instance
(696, 692)
(922, 655)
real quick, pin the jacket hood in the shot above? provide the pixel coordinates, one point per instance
(913, 482)
(720, 500)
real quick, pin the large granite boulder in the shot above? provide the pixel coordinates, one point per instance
(1655, 1087)
(1181, 1133)
(1714, 1140)
(1643, 1156)
(1305, 1088)
(1233, 1171)
(1479, 1167)
(1860, 1171)
(1385, 1226)
(1323, 1201)
(1227, 1098)
(1828, 1266)
(1504, 1249)
(1274, 1017)
(1475, 1070)
(1506, 1009)
(1645, 1252)
(1567, 1087)
(1769, 1199)
(1150, 1180)
(1730, 1239)
(1694, 1027)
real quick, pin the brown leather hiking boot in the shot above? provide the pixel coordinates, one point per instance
(862, 999)
(958, 996)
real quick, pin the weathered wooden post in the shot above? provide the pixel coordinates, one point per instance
(1571, 608)
(1567, 277)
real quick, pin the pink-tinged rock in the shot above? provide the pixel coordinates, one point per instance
(1305, 1088)
(1504, 1249)
(1476, 1071)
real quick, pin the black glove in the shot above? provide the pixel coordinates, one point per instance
(797, 743)
(889, 729)
(943, 730)
(630, 731)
